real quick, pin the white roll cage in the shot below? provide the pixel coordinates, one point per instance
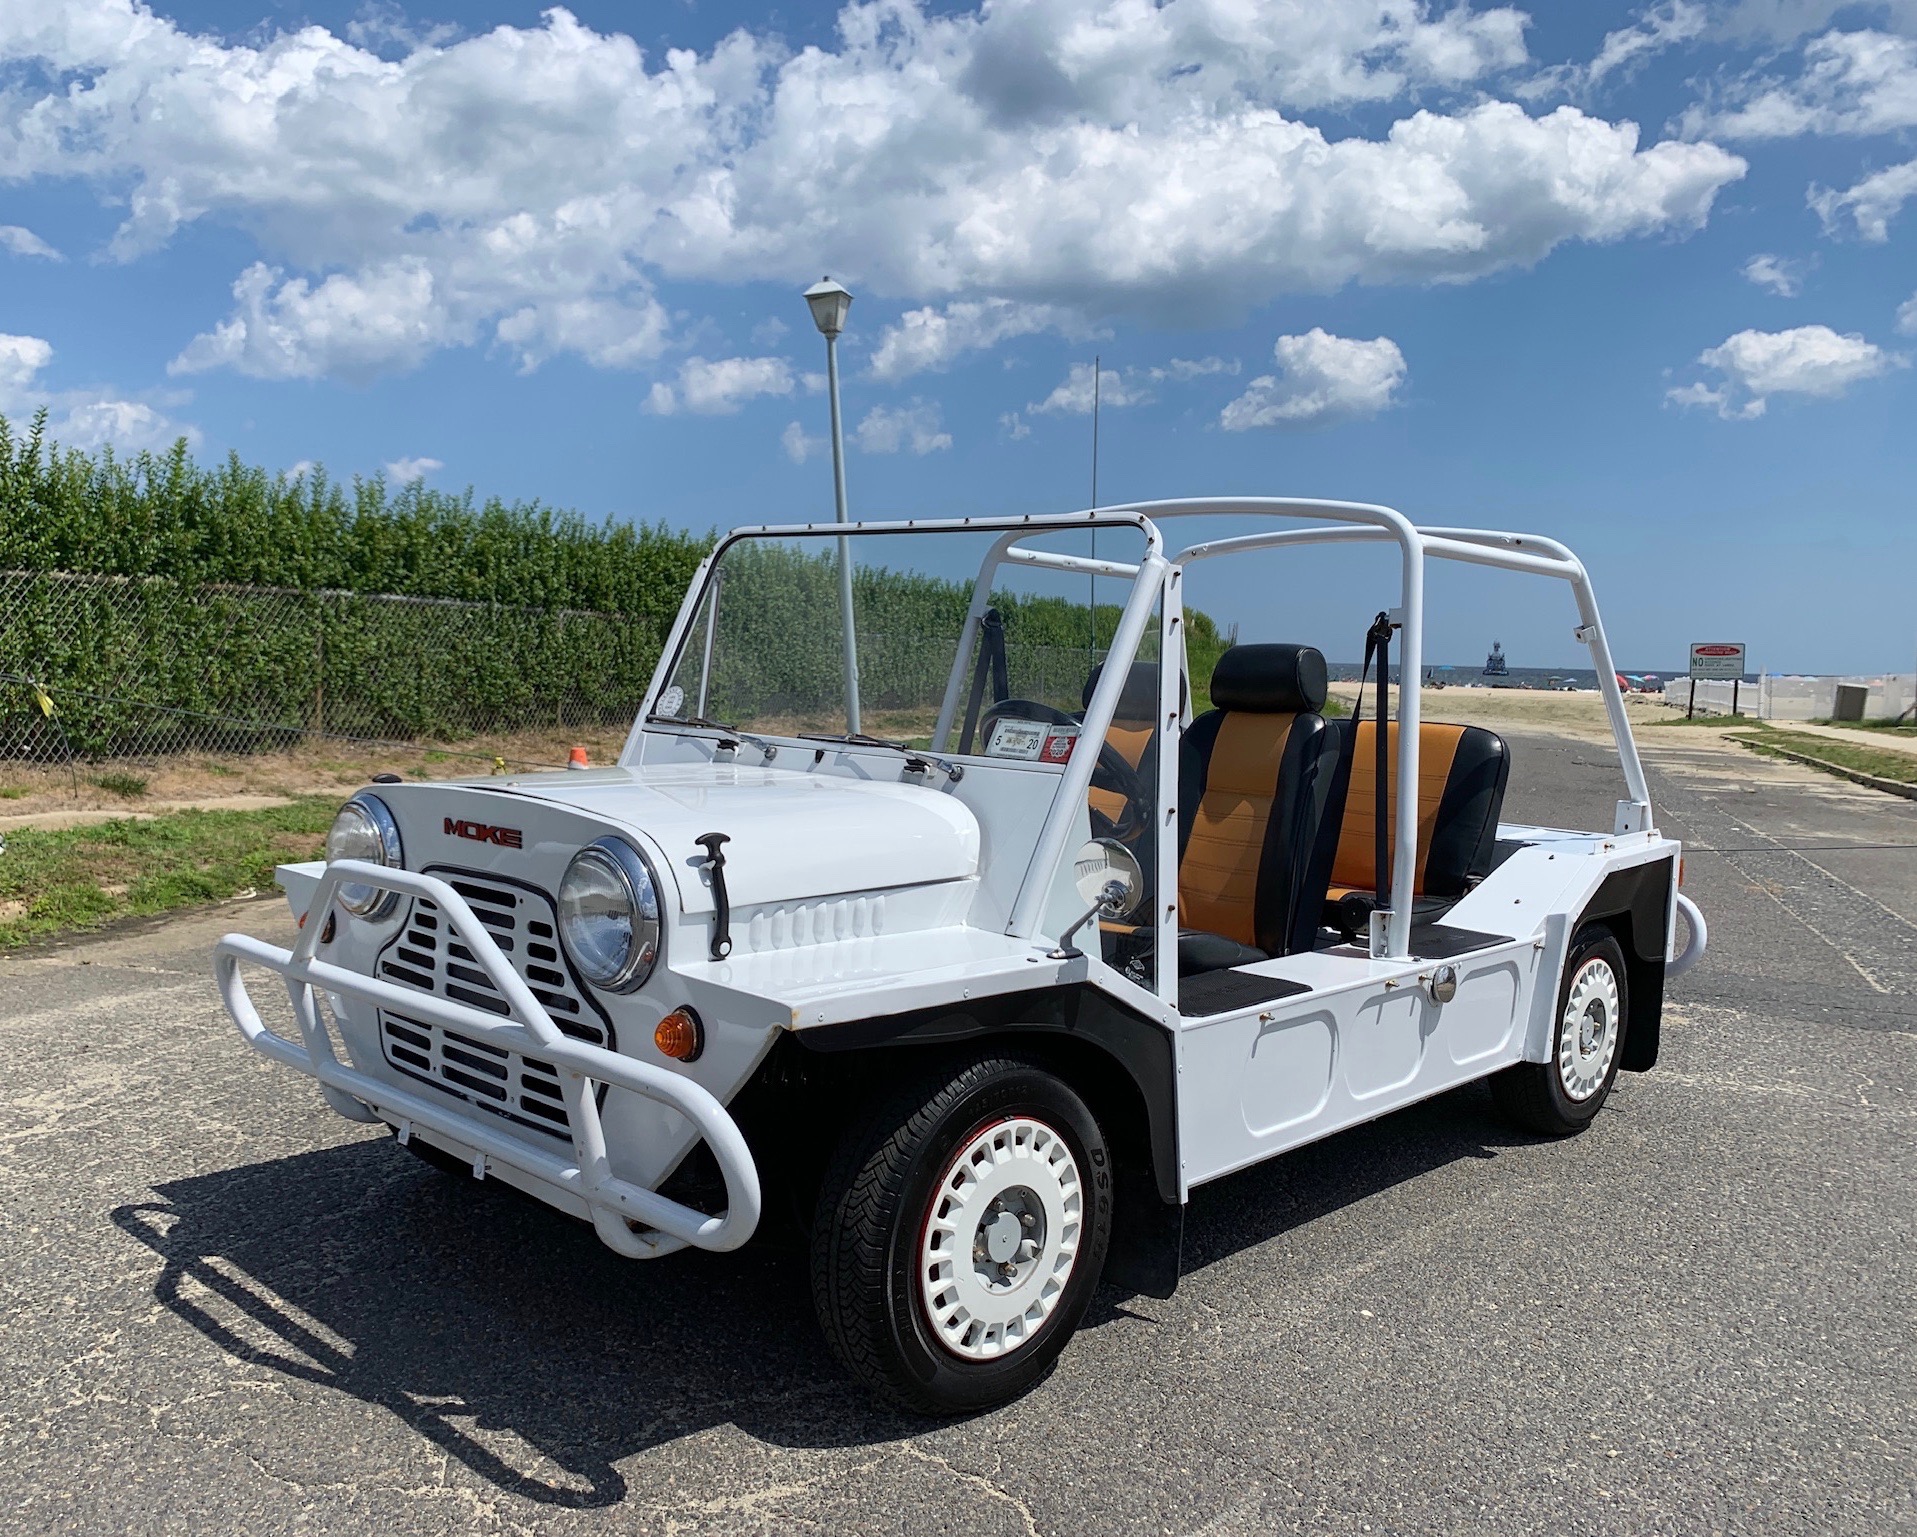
(1156, 575)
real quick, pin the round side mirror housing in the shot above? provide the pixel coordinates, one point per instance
(1102, 865)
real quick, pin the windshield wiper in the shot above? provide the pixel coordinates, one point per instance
(730, 736)
(917, 760)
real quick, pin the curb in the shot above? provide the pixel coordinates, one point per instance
(1855, 776)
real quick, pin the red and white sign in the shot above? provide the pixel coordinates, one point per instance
(1717, 659)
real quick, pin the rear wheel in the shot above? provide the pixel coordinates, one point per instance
(1563, 1095)
(959, 1237)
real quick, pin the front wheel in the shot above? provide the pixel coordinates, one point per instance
(1563, 1095)
(959, 1237)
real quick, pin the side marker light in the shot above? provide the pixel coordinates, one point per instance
(680, 1036)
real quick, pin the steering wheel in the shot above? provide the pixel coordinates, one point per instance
(1111, 771)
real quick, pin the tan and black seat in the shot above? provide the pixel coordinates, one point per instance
(1255, 832)
(1133, 734)
(1462, 773)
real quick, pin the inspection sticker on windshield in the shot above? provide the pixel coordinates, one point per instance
(1015, 739)
(1059, 742)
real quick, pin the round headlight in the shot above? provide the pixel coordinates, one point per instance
(609, 915)
(365, 829)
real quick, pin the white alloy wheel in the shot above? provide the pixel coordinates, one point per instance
(1588, 1033)
(1001, 1237)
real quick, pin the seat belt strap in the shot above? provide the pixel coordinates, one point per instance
(1378, 643)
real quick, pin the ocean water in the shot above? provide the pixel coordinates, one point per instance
(1517, 677)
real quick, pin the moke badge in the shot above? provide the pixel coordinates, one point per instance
(479, 832)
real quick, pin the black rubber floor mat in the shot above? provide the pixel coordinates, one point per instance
(1436, 942)
(1222, 992)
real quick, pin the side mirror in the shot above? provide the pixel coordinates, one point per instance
(1110, 880)
(1109, 877)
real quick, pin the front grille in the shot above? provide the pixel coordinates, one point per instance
(428, 955)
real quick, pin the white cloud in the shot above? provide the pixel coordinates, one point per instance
(1776, 274)
(408, 470)
(1184, 370)
(798, 446)
(1907, 316)
(1015, 426)
(299, 469)
(85, 418)
(719, 386)
(1752, 366)
(1656, 28)
(1651, 32)
(23, 242)
(1851, 83)
(1872, 203)
(382, 27)
(1117, 388)
(888, 429)
(1323, 379)
(349, 326)
(933, 338)
(529, 186)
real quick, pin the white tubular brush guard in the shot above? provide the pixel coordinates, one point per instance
(528, 1029)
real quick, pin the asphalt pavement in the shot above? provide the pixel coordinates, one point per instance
(222, 1309)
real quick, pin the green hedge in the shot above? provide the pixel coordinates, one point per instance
(158, 601)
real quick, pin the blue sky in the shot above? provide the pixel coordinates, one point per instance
(1631, 277)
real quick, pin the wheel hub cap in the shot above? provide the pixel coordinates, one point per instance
(1001, 1238)
(1587, 1037)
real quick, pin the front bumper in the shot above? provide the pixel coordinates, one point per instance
(614, 1204)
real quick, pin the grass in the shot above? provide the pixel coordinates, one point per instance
(1889, 727)
(12, 793)
(1739, 721)
(1898, 766)
(59, 880)
(117, 782)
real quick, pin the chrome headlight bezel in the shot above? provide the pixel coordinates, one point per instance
(359, 899)
(630, 872)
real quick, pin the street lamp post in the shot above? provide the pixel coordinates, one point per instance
(829, 302)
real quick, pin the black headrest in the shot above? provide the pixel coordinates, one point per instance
(1270, 679)
(1138, 700)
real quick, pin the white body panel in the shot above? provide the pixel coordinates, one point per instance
(1368, 1039)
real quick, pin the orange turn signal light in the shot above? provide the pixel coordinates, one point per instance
(680, 1036)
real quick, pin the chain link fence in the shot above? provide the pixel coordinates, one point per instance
(96, 668)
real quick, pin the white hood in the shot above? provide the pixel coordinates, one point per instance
(793, 835)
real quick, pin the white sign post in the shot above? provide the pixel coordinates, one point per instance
(1719, 660)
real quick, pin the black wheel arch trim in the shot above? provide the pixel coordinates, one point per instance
(1635, 903)
(1142, 1047)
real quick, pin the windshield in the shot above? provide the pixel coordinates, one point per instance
(945, 625)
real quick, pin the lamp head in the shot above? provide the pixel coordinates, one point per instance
(829, 302)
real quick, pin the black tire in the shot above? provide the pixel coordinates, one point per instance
(876, 1203)
(1533, 1094)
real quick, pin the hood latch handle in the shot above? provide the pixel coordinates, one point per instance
(714, 845)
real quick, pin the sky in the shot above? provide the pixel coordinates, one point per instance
(1641, 279)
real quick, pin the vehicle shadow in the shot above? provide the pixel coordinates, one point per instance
(509, 1337)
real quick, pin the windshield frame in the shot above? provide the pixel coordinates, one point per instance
(1012, 528)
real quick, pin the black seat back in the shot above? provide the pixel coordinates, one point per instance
(1256, 776)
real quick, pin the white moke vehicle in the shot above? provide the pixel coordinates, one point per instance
(942, 919)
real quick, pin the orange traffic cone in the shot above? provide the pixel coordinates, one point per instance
(577, 759)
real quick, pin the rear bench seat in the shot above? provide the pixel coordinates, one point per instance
(1462, 772)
